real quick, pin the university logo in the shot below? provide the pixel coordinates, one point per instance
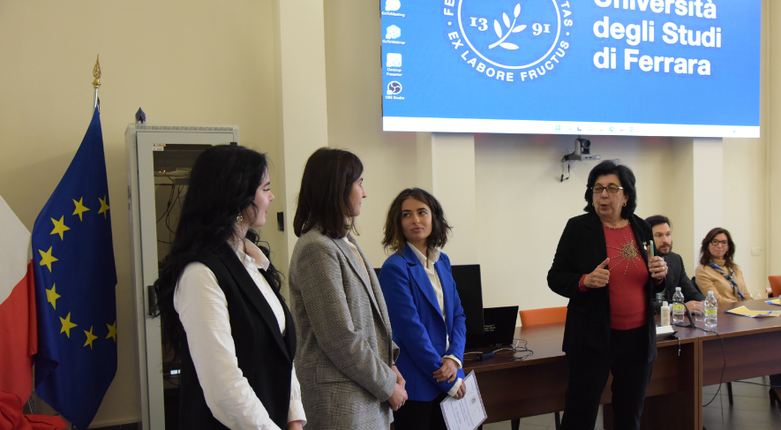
(510, 40)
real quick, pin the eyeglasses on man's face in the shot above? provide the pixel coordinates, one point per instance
(716, 242)
(612, 188)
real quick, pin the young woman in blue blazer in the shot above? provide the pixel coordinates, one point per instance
(428, 321)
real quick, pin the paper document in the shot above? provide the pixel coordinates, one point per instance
(467, 413)
(776, 302)
(744, 311)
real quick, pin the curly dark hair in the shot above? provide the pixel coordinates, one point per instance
(394, 234)
(223, 183)
(705, 255)
(625, 176)
(324, 199)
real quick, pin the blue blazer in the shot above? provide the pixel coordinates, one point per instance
(418, 327)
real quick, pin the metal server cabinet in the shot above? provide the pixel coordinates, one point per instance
(160, 158)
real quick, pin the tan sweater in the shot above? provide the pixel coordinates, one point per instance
(710, 279)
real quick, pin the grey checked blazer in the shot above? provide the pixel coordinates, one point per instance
(345, 345)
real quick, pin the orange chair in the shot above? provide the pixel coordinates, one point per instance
(775, 285)
(543, 316)
(538, 317)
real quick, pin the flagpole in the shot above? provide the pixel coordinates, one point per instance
(96, 82)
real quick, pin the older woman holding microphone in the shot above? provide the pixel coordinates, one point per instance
(603, 265)
(428, 321)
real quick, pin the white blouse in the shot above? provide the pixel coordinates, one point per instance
(203, 311)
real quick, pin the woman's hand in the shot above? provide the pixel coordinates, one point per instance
(657, 267)
(599, 277)
(398, 397)
(461, 391)
(399, 379)
(295, 425)
(448, 372)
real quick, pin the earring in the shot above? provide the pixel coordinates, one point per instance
(624, 205)
(594, 204)
(239, 218)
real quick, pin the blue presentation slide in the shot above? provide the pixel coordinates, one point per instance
(628, 67)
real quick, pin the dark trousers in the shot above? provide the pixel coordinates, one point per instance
(420, 415)
(628, 361)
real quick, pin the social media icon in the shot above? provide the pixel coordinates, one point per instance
(393, 32)
(392, 5)
(393, 60)
(394, 88)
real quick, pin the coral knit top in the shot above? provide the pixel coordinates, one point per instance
(628, 278)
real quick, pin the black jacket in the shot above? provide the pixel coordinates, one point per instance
(264, 355)
(676, 277)
(581, 249)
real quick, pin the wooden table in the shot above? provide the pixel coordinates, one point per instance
(512, 388)
(751, 348)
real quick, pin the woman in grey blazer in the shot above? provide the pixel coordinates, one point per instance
(346, 350)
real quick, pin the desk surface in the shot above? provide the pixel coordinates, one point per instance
(735, 325)
(513, 387)
(545, 340)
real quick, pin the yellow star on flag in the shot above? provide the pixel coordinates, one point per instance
(103, 206)
(90, 337)
(59, 226)
(112, 331)
(67, 325)
(52, 296)
(80, 208)
(47, 259)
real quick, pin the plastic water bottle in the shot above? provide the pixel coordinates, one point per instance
(678, 308)
(711, 311)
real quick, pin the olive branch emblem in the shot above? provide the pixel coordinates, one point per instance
(511, 28)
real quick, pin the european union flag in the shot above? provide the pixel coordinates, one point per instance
(75, 280)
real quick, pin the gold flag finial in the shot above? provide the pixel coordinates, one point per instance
(96, 73)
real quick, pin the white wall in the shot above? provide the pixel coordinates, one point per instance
(523, 206)
(746, 214)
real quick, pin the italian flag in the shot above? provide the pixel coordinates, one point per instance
(18, 326)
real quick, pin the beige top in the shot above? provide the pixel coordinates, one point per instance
(710, 279)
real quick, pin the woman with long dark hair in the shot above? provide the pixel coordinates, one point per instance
(428, 320)
(346, 362)
(218, 295)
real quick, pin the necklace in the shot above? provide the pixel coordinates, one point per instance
(615, 228)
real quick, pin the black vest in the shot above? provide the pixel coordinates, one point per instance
(265, 357)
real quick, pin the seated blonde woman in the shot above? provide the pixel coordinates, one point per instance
(717, 272)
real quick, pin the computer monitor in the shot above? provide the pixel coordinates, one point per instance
(470, 291)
